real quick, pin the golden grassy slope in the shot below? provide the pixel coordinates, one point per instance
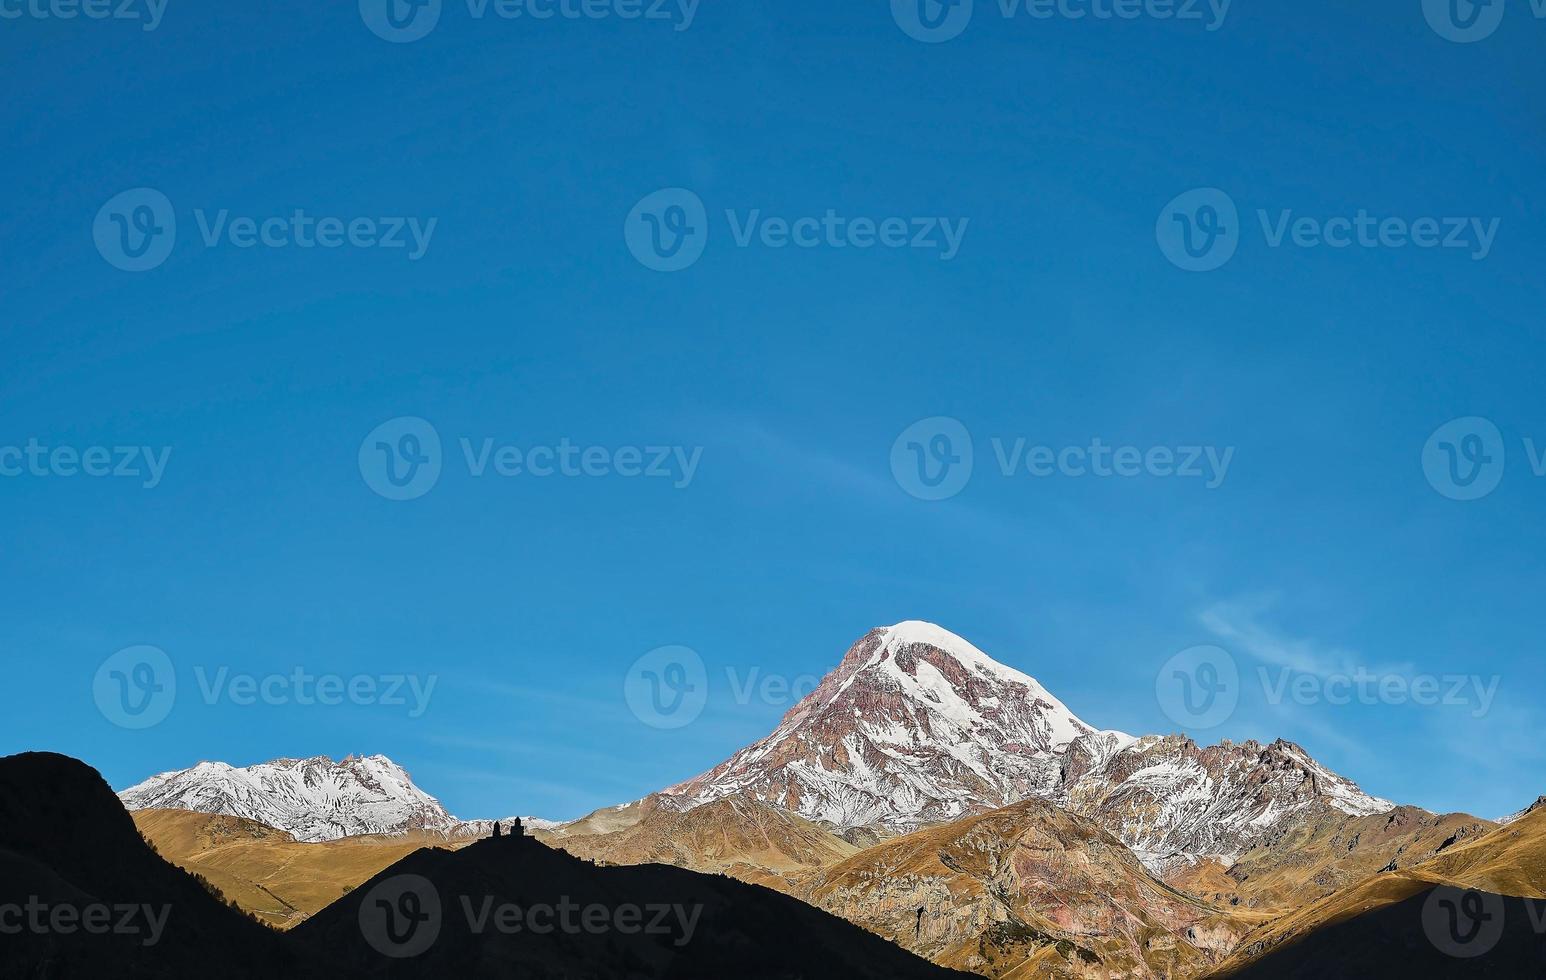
(265, 871)
(743, 838)
(1508, 861)
(1325, 852)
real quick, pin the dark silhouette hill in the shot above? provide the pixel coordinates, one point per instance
(92, 899)
(498, 909)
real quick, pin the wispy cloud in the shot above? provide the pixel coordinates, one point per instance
(547, 750)
(1320, 733)
(559, 699)
(866, 480)
(1239, 623)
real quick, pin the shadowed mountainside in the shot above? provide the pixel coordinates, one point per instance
(1394, 924)
(647, 921)
(266, 871)
(68, 848)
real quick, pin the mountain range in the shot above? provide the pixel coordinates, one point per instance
(922, 791)
(495, 908)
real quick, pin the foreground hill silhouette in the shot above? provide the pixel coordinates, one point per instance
(444, 909)
(68, 849)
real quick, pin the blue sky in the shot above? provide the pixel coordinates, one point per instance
(527, 321)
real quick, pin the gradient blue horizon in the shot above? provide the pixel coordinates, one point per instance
(529, 322)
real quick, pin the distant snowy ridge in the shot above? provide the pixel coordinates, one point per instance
(313, 799)
(1513, 817)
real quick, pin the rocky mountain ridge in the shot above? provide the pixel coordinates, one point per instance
(918, 727)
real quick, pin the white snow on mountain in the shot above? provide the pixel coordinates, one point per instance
(915, 726)
(1514, 817)
(314, 799)
(918, 726)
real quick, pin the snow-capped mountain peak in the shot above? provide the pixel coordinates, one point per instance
(916, 725)
(314, 799)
